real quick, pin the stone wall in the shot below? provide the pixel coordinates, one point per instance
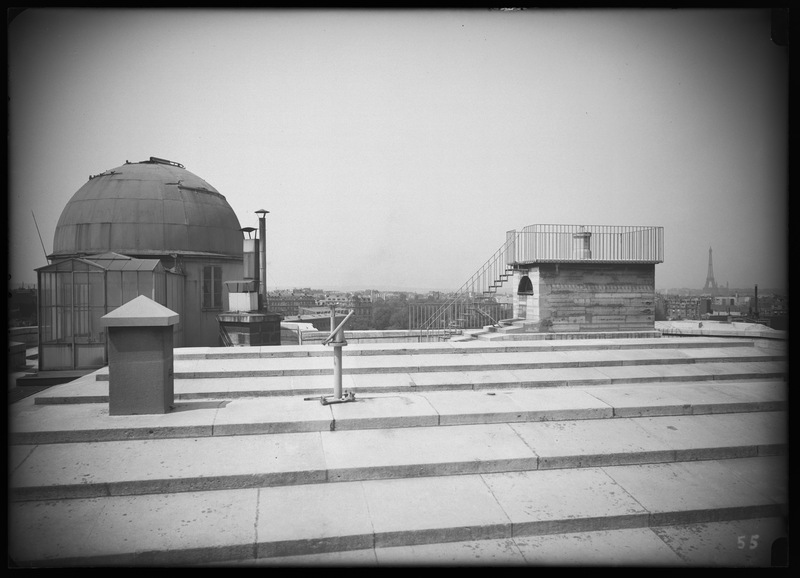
(589, 297)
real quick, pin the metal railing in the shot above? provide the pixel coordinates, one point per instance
(597, 243)
(456, 315)
(450, 318)
(224, 337)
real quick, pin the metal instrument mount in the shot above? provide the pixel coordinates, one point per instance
(337, 341)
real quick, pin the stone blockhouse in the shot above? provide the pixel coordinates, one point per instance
(565, 297)
(570, 278)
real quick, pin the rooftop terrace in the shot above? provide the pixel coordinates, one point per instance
(596, 243)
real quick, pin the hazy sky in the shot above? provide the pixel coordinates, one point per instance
(396, 148)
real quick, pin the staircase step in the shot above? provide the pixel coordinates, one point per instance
(93, 388)
(422, 362)
(51, 471)
(554, 342)
(255, 523)
(695, 545)
(507, 329)
(226, 415)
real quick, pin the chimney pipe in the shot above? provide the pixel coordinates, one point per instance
(756, 301)
(262, 233)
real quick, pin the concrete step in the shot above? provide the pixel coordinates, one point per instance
(507, 329)
(242, 378)
(427, 363)
(234, 461)
(36, 423)
(588, 341)
(758, 543)
(268, 522)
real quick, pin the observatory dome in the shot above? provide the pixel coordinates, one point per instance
(149, 208)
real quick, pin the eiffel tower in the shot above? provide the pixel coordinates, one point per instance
(710, 283)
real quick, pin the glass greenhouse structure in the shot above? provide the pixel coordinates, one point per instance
(75, 293)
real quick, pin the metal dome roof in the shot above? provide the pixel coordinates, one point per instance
(153, 207)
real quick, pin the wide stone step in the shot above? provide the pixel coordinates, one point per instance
(432, 363)
(93, 469)
(233, 382)
(759, 543)
(265, 522)
(224, 416)
(588, 342)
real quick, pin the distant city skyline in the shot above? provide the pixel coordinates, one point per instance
(395, 148)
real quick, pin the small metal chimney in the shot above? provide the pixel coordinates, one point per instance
(263, 302)
(581, 248)
(251, 255)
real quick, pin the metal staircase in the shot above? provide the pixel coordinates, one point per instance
(466, 308)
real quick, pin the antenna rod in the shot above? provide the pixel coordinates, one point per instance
(40, 235)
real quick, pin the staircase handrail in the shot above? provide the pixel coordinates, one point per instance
(463, 292)
(489, 317)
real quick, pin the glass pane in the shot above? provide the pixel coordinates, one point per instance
(81, 318)
(63, 309)
(46, 323)
(97, 328)
(64, 292)
(130, 285)
(56, 356)
(63, 323)
(160, 288)
(96, 290)
(92, 355)
(81, 284)
(80, 309)
(146, 283)
(45, 291)
(212, 287)
(114, 288)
